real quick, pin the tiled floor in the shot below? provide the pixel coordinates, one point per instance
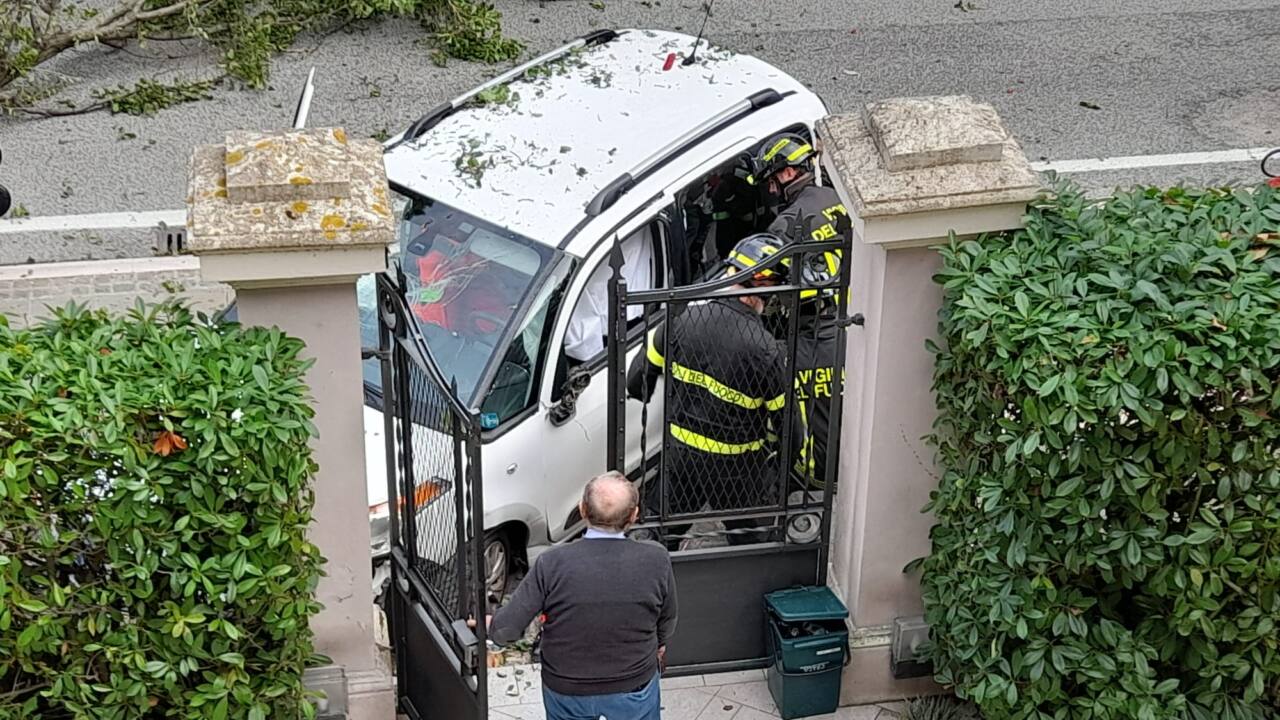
(516, 693)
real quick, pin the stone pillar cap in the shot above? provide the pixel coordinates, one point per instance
(310, 189)
(912, 155)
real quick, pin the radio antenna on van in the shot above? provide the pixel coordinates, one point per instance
(304, 101)
(693, 54)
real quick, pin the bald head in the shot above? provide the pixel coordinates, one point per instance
(609, 502)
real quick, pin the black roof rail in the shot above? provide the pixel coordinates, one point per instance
(599, 37)
(610, 193)
(764, 98)
(426, 122)
(444, 110)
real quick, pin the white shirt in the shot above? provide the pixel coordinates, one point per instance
(584, 338)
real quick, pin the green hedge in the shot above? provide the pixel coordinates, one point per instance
(1108, 530)
(154, 503)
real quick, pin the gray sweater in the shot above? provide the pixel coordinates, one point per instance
(608, 603)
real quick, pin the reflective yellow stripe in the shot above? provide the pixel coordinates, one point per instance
(777, 403)
(706, 444)
(654, 356)
(800, 151)
(715, 387)
(806, 464)
(744, 259)
(776, 148)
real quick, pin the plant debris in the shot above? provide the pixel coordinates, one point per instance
(472, 163)
(600, 78)
(496, 95)
(1090, 106)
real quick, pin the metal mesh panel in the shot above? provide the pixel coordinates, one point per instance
(433, 494)
(746, 402)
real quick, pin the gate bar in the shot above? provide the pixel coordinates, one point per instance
(616, 450)
(476, 521)
(836, 400)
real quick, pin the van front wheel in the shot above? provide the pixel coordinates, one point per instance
(497, 562)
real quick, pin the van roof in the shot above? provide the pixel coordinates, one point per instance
(530, 154)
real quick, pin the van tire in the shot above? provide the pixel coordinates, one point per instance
(497, 548)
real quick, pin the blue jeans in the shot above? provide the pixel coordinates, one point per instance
(643, 704)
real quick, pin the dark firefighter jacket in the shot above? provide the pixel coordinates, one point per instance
(726, 373)
(814, 215)
(813, 200)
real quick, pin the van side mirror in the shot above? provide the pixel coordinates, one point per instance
(577, 381)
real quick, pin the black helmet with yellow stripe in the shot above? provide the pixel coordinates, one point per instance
(755, 249)
(782, 151)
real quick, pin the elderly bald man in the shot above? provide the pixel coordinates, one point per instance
(610, 606)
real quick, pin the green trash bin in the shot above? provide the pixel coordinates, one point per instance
(809, 644)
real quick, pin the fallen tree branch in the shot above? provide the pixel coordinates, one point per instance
(246, 36)
(54, 112)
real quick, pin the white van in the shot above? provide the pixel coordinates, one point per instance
(511, 197)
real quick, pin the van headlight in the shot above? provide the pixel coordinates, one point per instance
(379, 532)
(380, 514)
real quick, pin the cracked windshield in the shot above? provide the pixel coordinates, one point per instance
(464, 281)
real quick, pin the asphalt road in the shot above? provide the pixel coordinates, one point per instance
(1166, 76)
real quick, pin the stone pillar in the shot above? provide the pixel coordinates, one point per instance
(291, 220)
(911, 171)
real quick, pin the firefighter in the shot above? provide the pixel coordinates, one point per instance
(785, 168)
(727, 385)
(816, 347)
(809, 212)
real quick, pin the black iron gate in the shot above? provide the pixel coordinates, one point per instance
(437, 556)
(760, 519)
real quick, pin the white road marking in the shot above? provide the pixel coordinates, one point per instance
(178, 218)
(1134, 162)
(99, 268)
(95, 221)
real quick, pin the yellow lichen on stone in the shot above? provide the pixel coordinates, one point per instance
(256, 211)
(234, 156)
(298, 207)
(358, 226)
(340, 135)
(222, 181)
(263, 144)
(381, 209)
(220, 193)
(299, 180)
(331, 222)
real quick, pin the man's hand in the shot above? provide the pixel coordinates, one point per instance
(662, 658)
(488, 621)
